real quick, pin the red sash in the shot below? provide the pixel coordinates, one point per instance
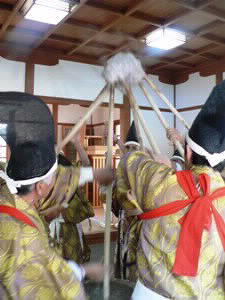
(17, 214)
(193, 222)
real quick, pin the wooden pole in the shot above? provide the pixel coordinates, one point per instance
(160, 116)
(148, 134)
(100, 98)
(109, 164)
(163, 97)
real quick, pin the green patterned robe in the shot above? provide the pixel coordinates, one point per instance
(79, 208)
(152, 185)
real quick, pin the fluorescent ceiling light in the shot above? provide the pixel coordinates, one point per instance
(165, 38)
(48, 11)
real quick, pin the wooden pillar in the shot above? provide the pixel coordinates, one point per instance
(29, 78)
(55, 111)
(124, 118)
(219, 77)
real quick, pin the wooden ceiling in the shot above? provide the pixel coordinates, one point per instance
(97, 29)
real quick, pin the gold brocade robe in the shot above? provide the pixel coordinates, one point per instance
(73, 245)
(30, 268)
(153, 185)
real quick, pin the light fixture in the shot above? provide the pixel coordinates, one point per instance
(48, 11)
(165, 38)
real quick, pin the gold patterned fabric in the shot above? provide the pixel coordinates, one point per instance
(30, 268)
(72, 244)
(152, 185)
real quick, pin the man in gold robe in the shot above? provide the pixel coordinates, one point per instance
(30, 267)
(181, 241)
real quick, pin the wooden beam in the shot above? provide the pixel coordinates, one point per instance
(55, 111)
(215, 12)
(207, 28)
(105, 7)
(6, 6)
(194, 6)
(29, 78)
(173, 19)
(83, 24)
(219, 77)
(190, 108)
(13, 13)
(215, 39)
(125, 118)
(129, 11)
(65, 39)
(155, 21)
(182, 57)
(68, 101)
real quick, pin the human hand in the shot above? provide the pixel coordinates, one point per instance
(104, 176)
(94, 271)
(174, 135)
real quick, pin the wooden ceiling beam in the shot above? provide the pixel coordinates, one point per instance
(203, 3)
(11, 16)
(215, 12)
(155, 21)
(197, 52)
(61, 38)
(169, 22)
(83, 24)
(173, 19)
(199, 5)
(95, 27)
(6, 6)
(105, 7)
(207, 28)
(215, 39)
(136, 4)
(206, 68)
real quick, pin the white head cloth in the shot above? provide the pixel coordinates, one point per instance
(14, 184)
(213, 159)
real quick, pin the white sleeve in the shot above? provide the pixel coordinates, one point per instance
(77, 269)
(86, 175)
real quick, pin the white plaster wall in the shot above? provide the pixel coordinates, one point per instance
(157, 130)
(195, 91)
(70, 80)
(189, 116)
(71, 113)
(12, 75)
(166, 89)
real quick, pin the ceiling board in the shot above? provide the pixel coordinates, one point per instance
(94, 15)
(81, 33)
(162, 8)
(195, 20)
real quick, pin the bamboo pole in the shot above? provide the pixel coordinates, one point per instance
(109, 164)
(164, 99)
(148, 134)
(160, 116)
(99, 99)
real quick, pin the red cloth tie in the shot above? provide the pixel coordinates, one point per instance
(17, 214)
(193, 222)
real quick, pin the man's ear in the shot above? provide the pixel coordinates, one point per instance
(40, 188)
(189, 154)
